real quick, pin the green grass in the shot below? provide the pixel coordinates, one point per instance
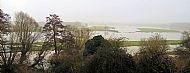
(137, 43)
(38, 46)
(155, 30)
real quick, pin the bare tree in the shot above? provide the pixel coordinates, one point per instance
(16, 44)
(153, 56)
(24, 30)
(82, 35)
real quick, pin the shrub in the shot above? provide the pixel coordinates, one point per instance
(183, 52)
(186, 69)
(153, 57)
(92, 45)
(60, 65)
(110, 60)
(186, 40)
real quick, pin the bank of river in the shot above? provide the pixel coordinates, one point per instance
(135, 49)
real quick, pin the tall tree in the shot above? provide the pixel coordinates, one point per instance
(16, 45)
(53, 29)
(4, 28)
(24, 29)
(70, 59)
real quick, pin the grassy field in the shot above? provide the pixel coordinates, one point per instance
(129, 43)
(137, 43)
(155, 30)
(38, 46)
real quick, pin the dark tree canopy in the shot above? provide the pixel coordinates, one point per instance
(93, 44)
(111, 60)
(107, 57)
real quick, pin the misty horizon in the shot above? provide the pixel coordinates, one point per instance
(101, 11)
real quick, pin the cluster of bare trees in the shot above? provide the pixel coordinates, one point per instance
(18, 41)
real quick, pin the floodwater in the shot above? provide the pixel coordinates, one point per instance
(137, 36)
(131, 33)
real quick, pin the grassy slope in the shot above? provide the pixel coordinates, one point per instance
(155, 30)
(137, 43)
(37, 46)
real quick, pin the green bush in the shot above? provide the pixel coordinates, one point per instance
(60, 65)
(93, 44)
(153, 57)
(110, 60)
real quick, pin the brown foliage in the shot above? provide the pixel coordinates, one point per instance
(153, 57)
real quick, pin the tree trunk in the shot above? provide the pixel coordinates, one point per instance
(23, 54)
(54, 38)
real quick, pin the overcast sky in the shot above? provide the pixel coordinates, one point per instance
(138, 11)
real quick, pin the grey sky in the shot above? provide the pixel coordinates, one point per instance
(104, 10)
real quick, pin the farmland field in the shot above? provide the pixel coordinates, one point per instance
(36, 46)
(137, 43)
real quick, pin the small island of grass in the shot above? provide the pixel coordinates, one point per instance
(155, 30)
